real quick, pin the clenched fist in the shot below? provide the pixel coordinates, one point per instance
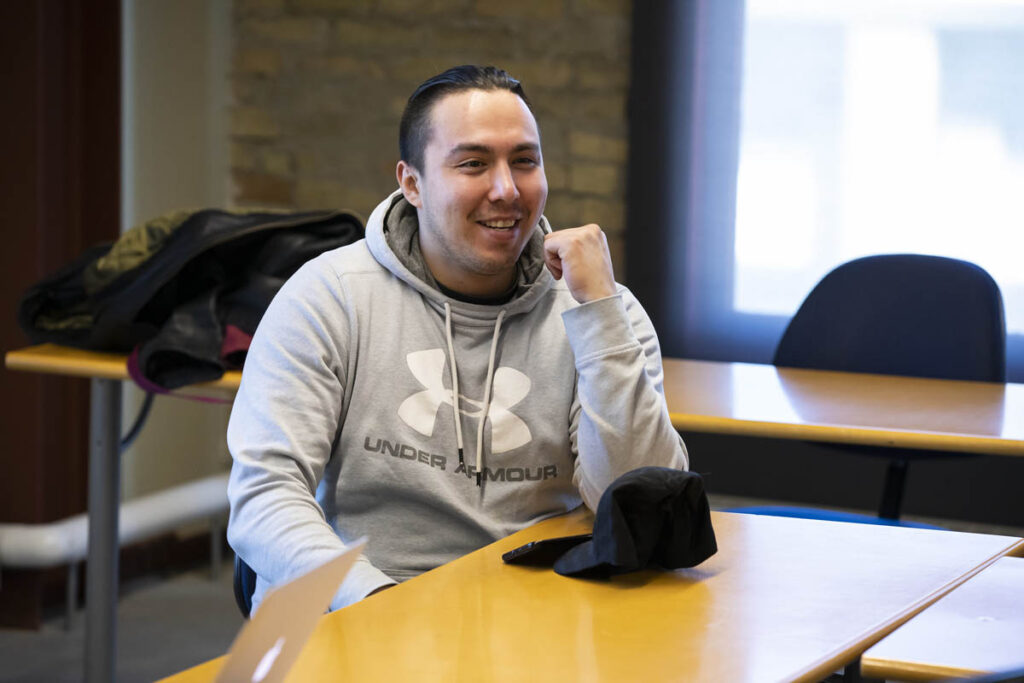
(580, 255)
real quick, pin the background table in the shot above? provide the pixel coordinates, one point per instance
(106, 371)
(783, 599)
(844, 407)
(976, 629)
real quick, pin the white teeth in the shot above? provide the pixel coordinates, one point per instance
(501, 225)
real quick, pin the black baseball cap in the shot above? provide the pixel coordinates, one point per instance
(649, 517)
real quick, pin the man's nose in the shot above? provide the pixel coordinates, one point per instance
(503, 184)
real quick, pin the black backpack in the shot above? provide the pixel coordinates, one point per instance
(171, 289)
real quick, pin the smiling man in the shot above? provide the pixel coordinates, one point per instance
(460, 374)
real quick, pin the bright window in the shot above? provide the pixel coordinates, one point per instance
(879, 127)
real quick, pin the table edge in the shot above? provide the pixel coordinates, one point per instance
(830, 663)
(100, 365)
(917, 671)
(861, 436)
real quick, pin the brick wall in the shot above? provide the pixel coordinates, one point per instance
(319, 86)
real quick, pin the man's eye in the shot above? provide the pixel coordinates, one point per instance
(526, 161)
(471, 163)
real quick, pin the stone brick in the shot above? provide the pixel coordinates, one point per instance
(304, 32)
(319, 86)
(558, 176)
(585, 8)
(420, 8)
(540, 73)
(596, 36)
(326, 193)
(378, 35)
(325, 127)
(563, 210)
(610, 214)
(262, 188)
(525, 9)
(332, 6)
(316, 194)
(277, 162)
(244, 7)
(249, 91)
(589, 178)
(243, 156)
(554, 138)
(599, 106)
(585, 145)
(362, 200)
(344, 65)
(358, 149)
(603, 76)
(410, 70)
(397, 106)
(486, 42)
(253, 122)
(259, 62)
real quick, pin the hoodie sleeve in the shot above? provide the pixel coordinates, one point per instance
(619, 419)
(281, 433)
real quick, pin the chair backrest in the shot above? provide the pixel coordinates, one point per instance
(901, 314)
(244, 585)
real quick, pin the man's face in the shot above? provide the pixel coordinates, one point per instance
(481, 190)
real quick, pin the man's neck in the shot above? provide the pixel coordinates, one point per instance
(486, 300)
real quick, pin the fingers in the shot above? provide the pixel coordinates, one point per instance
(551, 259)
(581, 256)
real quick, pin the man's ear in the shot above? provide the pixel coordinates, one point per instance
(409, 182)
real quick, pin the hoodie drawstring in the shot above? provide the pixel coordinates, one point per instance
(455, 382)
(486, 406)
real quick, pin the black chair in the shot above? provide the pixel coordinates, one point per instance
(245, 586)
(899, 314)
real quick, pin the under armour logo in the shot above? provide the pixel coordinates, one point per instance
(510, 386)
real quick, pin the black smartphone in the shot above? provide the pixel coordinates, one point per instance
(543, 553)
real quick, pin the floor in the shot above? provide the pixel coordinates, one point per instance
(167, 624)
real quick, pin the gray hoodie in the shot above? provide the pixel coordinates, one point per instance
(346, 424)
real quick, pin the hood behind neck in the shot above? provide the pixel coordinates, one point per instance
(392, 234)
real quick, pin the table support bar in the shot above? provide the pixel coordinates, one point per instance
(104, 500)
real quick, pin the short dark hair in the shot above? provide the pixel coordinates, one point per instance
(414, 131)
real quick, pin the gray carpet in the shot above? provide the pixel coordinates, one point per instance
(165, 625)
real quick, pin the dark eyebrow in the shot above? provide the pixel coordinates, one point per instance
(484, 149)
(526, 147)
(468, 147)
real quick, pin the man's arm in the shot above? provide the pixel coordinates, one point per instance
(619, 419)
(282, 429)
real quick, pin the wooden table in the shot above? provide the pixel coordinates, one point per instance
(106, 371)
(703, 396)
(842, 407)
(51, 359)
(976, 629)
(751, 400)
(783, 599)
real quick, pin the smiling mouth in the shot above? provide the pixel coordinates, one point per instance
(500, 224)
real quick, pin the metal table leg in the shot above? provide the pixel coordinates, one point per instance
(104, 502)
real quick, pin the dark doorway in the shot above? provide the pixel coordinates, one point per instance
(60, 188)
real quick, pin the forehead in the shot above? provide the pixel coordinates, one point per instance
(492, 118)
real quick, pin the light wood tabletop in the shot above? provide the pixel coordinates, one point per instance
(977, 629)
(841, 407)
(750, 400)
(783, 599)
(51, 359)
